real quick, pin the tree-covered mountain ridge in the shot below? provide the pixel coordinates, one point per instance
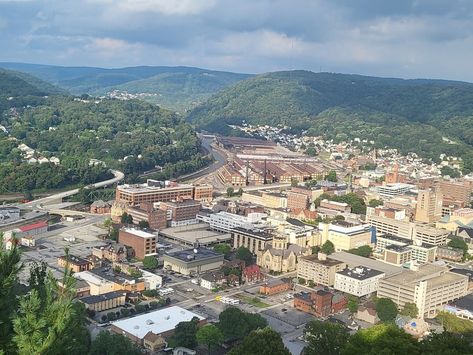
(411, 115)
(178, 88)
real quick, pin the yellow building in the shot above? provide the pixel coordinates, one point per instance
(274, 200)
(346, 236)
(279, 256)
(429, 206)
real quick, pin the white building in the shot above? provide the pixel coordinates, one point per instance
(152, 281)
(359, 281)
(224, 221)
(392, 190)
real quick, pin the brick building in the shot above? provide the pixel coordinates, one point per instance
(156, 218)
(180, 213)
(318, 303)
(297, 200)
(142, 243)
(274, 286)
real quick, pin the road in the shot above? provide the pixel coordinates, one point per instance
(118, 176)
(219, 160)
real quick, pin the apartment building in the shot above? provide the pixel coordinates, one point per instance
(251, 238)
(430, 287)
(319, 269)
(456, 191)
(142, 243)
(180, 213)
(345, 235)
(429, 206)
(359, 281)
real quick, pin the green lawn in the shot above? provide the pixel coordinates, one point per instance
(254, 301)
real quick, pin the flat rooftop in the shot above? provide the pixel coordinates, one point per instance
(327, 262)
(193, 233)
(139, 232)
(190, 254)
(353, 260)
(254, 232)
(143, 188)
(157, 322)
(435, 275)
(103, 297)
(360, 273)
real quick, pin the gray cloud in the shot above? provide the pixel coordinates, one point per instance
(405, 38)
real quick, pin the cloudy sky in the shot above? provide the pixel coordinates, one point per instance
(402, 38)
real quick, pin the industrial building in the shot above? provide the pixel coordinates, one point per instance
(193, 261)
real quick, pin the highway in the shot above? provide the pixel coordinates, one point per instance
(118, 176)
(220, 160)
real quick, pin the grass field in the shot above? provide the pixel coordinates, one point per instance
(254, 301)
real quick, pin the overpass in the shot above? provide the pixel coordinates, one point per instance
(40, 203)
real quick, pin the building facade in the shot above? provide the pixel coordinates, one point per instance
(142, 243)
(359, 281)
(319, 270)
(430, 288)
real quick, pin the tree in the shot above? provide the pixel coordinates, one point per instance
(209, 335)
(386, 309)
(445, 343)
(410, 310)
(244, 254)
(143, 224)
(459, 243)
(236, 324)
(381, 339)
(315, 249)
(353, 304)
(311, 151)
(262, 342)
(328, 248)
(126, 218)
(48, 321)
(375, 203)
(364, 251)
(150, 262)
(324, 338)
(332, 176)
(108, 223)
(453, 173)
(240, 191)
(294, 182)
(453, 324)
(10, 266)
(230, 191)
(114, 234)
(185, 334)
(223, 248)
(107, 343)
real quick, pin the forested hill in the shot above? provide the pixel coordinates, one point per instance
(19, 89)
(412, 115)
(66, 133)
(177, 88)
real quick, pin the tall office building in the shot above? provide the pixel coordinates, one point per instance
(429, 206)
